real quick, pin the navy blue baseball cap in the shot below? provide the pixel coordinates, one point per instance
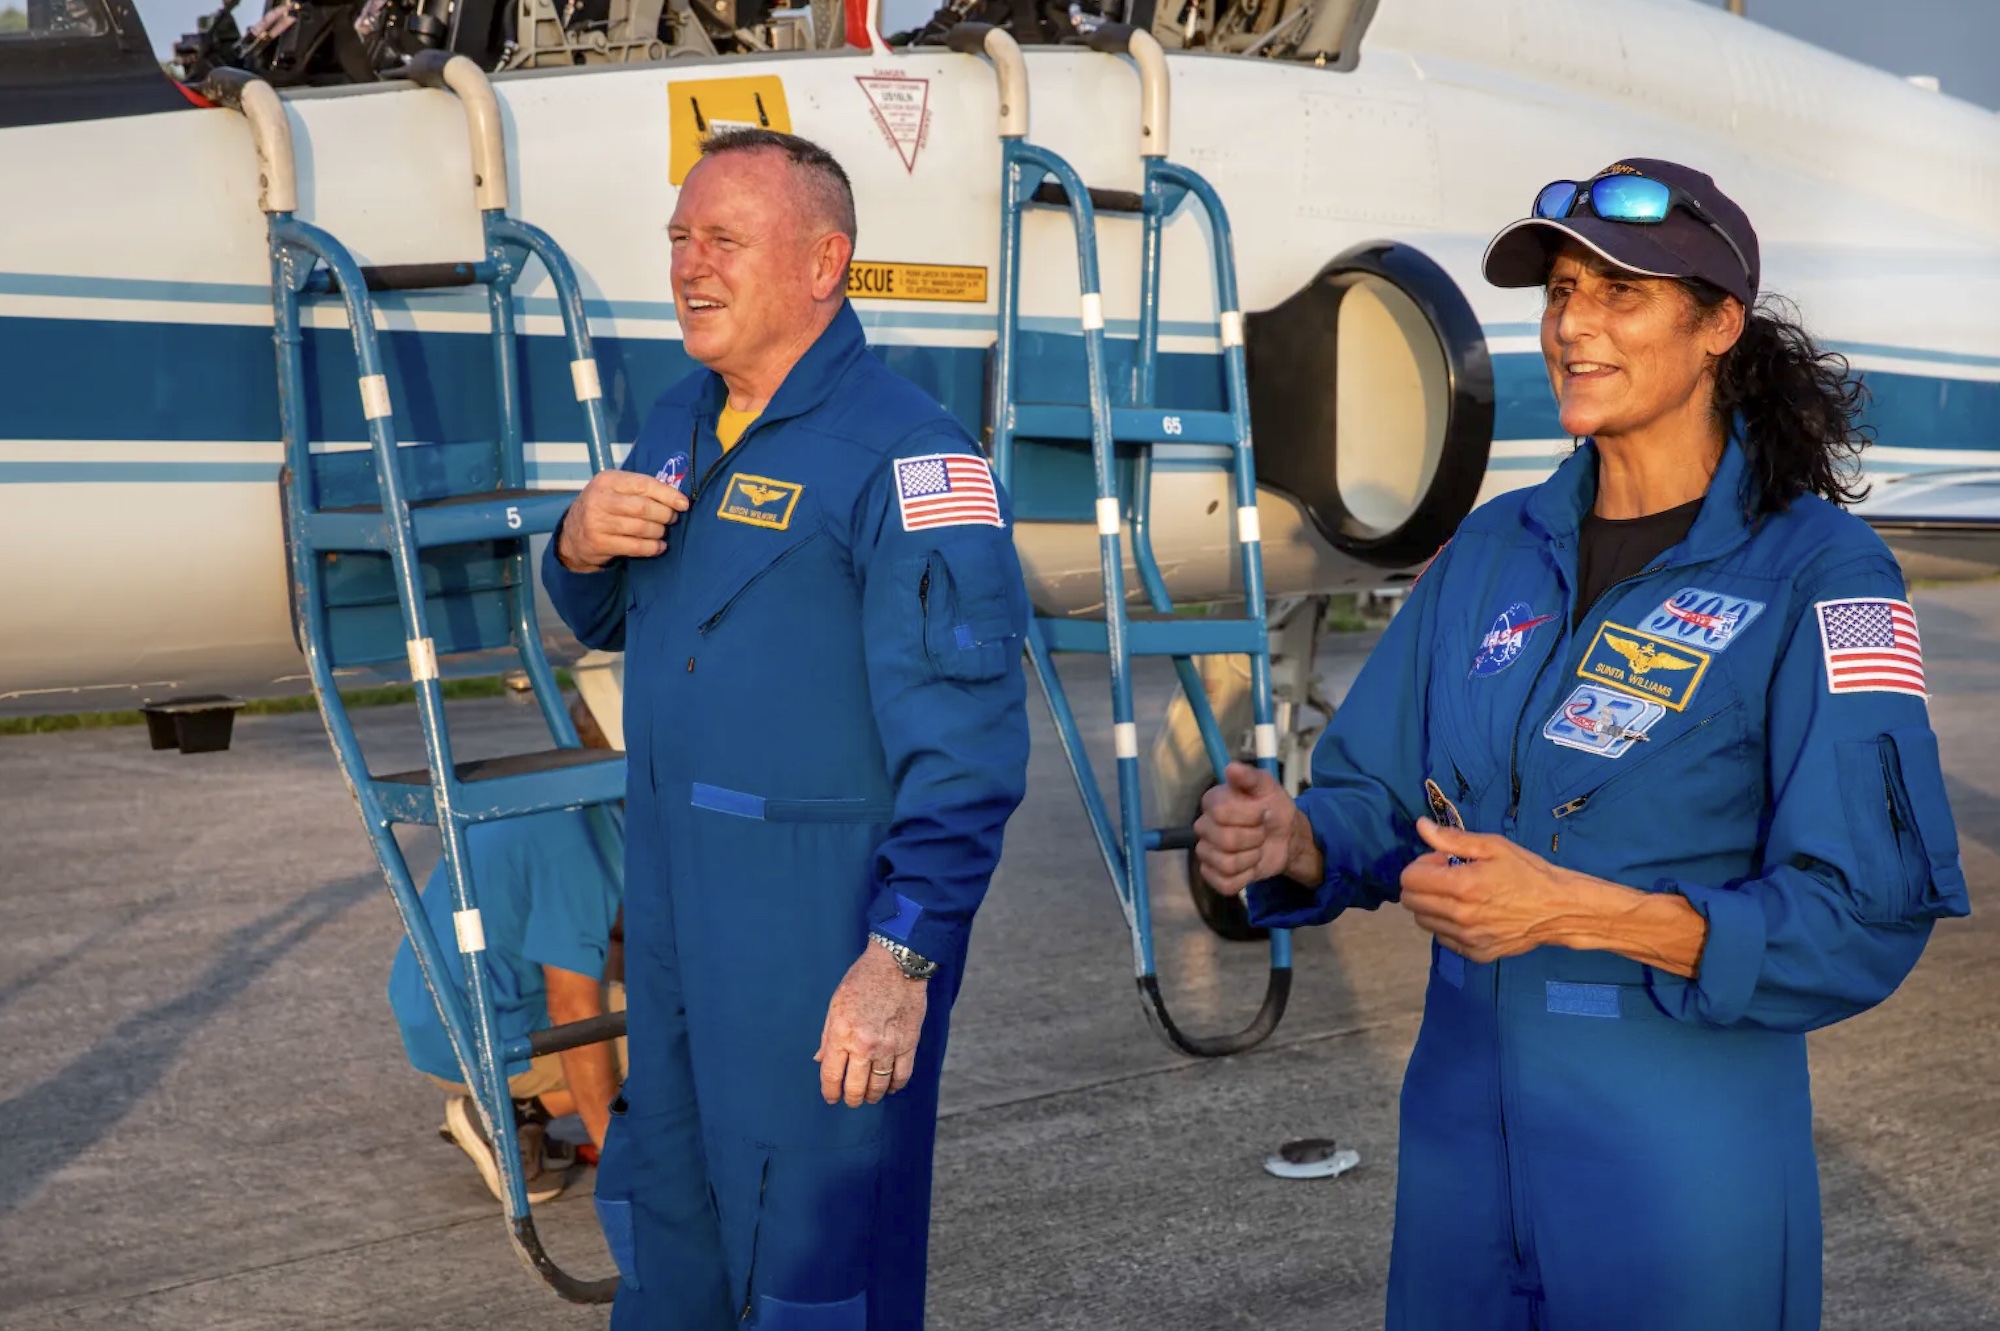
(1653, 218)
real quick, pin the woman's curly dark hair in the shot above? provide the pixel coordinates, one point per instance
(1800, 406)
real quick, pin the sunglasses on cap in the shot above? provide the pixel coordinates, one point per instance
(1639, 200)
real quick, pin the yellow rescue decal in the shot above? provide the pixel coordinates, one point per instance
(915, 281)
(759, 501)
(698, 109)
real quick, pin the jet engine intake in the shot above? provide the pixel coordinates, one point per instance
(1371, 396)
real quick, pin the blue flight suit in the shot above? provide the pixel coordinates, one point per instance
(826, 733)
(1588, 1142)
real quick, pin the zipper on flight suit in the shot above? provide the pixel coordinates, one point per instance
(1514, 746)
(695, 486)
(1513, 811)
(707, 625)
(756, 1233)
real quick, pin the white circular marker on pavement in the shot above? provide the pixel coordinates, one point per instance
(1311, 1157)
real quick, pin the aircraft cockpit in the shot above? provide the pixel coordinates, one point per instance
(334, 42)
(66, 60)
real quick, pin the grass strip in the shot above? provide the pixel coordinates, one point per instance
(387, 695)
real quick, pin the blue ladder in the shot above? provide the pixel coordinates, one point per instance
(1130, 431)
(401, 556)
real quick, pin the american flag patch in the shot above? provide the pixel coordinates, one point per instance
(946, 490)
(1871, 646)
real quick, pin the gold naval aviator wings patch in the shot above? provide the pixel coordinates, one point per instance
(759, 501)
(1634, 661)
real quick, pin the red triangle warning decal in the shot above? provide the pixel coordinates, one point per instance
(902, 110)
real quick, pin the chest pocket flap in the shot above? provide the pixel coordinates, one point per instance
(745, 556)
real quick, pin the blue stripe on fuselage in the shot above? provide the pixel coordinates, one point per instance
(93, 379)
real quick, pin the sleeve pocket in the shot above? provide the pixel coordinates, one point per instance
(1906, 846)
(973, 609)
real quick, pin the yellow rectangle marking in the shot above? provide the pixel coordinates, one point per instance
(915, 281)
(698, 108)
(759, 501)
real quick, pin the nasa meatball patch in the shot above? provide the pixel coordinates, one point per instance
(1502, 645)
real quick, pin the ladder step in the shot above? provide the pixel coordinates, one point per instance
(407, 277)
(491, 515)
(1159, 637)
(508, 787)
(1050, 194)
(1129, 425)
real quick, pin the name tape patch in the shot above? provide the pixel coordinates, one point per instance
(1644, 665)
(1602, 721)
(1871, 646)
(1703, 618)
(759, 501)
(946, 490)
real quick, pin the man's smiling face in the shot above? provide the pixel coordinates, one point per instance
(744, 241)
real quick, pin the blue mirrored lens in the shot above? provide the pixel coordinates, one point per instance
(1630, 199)
(1556, 200)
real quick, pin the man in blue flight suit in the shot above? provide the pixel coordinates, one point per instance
(811, 572)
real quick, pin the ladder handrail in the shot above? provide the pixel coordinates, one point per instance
(258, 102)
(298, 250)
(1155, 88)
(1025, 166)
(460, 75)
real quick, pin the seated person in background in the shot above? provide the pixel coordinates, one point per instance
(549, 911)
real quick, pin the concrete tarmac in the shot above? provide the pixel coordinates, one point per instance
(209, 1122)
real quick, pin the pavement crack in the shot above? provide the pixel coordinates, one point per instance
(1267, 1050)
(136, 1296)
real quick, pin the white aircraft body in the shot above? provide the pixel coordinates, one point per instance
(139, 455)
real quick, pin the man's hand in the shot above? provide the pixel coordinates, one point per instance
(1250, 830)
(868, 1047)
(619, 515)
(1502, 901)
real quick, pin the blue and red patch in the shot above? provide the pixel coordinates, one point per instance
(1502, 645)
(675, 472)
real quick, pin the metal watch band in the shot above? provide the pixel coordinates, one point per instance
(914, 966)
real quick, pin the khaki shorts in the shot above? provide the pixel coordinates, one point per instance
(545, 1074)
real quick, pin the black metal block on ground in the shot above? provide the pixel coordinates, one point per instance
(192, 725)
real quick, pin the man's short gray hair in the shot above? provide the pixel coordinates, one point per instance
(826, 185)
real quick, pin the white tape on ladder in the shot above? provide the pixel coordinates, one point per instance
(1247, 530)
(374, 396)
(584, 374)
(1125, 739)
(1267, 741)
(1107, 517)
(471, 932)
(1093, 311)
(423, 660)
(1232, 328)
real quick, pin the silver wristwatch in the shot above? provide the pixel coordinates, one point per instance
(914, 967)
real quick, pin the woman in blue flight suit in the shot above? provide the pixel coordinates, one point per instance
(1674, 699)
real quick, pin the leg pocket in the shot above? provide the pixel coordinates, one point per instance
(815, 1239)
(780, 1315)
(614, 1194)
